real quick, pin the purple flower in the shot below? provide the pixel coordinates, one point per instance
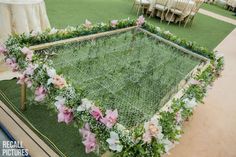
(110, 119)
(96, 112)
(140, 21)
(65, 114)
(40, 93)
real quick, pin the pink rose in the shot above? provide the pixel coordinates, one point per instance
(114, 23)
(59, 81)
(96, 112)
(140, 21)
(40, 93)
(29, 53)
(110, 119)
(65, 114)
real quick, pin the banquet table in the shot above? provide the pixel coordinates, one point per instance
(22, 16)
(232, 3)
(183, 5)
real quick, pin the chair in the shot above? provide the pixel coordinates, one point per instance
(193, 12)
(161, 6)
(141, 5)
(174, 9)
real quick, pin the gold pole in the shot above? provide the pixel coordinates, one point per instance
(23, 97)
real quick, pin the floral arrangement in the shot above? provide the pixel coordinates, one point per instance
(99, 128)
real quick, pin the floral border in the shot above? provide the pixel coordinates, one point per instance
(99, 128)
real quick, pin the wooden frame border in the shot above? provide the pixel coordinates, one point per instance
(184, 84)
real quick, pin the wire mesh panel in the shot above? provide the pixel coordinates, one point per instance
(129, 71)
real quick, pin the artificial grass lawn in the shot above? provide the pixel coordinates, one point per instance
(65, 137)
(205, 30)
(130, 72)
(219, 10)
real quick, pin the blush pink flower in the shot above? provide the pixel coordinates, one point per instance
(140, 21)
(3, 49)
(87, 24)
(30, 69)
(89, 138)
(23, 79)
(28, 82)
(90, 143)
(40, 93)
(65, 114)
(152, 129)
(85, 131)
(178, 117)
(12, 63)
(110, 119)
(96, 112)
(29, 53)
(59, 82)
(114, 23)
(194, 82)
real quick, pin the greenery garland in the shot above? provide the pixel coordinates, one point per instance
(99, 127)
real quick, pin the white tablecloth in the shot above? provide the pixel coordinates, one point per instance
(232, 3)
(22, 16)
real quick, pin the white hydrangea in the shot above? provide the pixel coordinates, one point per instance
(190, 103)
(85, 105)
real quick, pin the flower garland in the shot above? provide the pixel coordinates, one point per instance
(100, 128)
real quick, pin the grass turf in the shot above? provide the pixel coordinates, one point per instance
(65, 137)
(116, 72)
(219, 10)
(205, 31)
